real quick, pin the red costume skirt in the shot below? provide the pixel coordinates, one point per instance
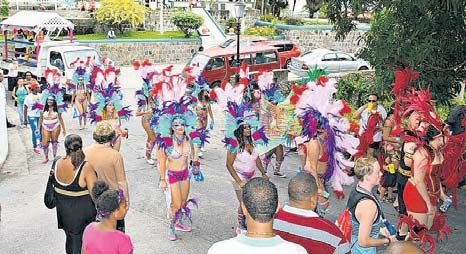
(413, 200)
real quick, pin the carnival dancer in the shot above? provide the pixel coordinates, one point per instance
(146, 104)
(242, 136)
(416, 106)
(51, 106)
(108, 104)
(325, 131)
(79, 88)
(176, 135)
(203, 109)
(270, 97)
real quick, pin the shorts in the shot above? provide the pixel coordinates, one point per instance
(177, 176)
(389, 180)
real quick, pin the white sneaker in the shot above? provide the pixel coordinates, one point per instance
(150, 161)
(200, 154)
(203, 149)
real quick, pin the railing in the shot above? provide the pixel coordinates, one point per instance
(34, 4)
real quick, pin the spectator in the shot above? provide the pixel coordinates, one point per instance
(108, 163)
(73, 180)
(19, 94)
(111, 34)
(366, 111)
(365, 210)
(31, 116)
(101, 237)
(8, 124)
(298, 223)
(12, 74)
(28, 80)
(20, 46)
(260, 202)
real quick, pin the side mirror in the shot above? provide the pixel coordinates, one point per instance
(208, 68)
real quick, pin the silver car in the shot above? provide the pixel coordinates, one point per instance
(326, 59)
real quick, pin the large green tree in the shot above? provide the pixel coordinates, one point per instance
(429, 35)
(119, 12)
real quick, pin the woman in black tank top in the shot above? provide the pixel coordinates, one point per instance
(75, 208)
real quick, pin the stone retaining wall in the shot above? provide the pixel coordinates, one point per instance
(312, 39)
(123, 52)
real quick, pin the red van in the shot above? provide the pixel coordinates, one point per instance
(286, 50)
(220, 64)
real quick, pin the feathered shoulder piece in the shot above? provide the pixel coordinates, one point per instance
(319, 111)
(52, 88)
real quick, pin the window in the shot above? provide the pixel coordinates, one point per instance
(280, 48)
(330, 57)
(216, 63)
(264, 57)
(344, 57)
(199, 59)
(56, 60)
(288, 47)
(243, 57)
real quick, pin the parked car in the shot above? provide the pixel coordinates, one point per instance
(286, 51)
(218, 64)
(326, 59)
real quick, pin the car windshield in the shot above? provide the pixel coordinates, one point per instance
(71, 56)
(200, 59)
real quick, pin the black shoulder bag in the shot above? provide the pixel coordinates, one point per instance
(49, 195)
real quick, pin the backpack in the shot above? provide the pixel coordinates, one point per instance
(343, 221)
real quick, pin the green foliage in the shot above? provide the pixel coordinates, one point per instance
(267, 18)
(119, 12)
(354, 87)
(428, 35)
(4, 10)
(313, 6)
(293, 21)
(187, 22)
(323, 11)
(261, 31)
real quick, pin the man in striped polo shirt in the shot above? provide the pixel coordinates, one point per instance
(298, 223)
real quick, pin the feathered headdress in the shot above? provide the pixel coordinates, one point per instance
(270, 90)
(316, 108)
(147, 72)
(199, 85)
(52, 88)
(227, 92)
(104, 97)
(82, 71)
(169, 90)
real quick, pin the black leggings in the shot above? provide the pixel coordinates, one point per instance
(74, 241)
(401, 183)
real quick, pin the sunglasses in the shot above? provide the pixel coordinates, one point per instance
(372, 100)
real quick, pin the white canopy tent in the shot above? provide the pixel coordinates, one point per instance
(36, 21)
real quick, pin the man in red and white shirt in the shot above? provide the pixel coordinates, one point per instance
(298, 223)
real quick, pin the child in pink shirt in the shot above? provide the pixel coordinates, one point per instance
(102, 237)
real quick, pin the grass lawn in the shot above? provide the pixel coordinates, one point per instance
(135, 35)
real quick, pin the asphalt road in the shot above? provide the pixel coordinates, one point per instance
(27, 226)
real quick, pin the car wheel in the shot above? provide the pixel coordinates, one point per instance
(363, 68)
(287, 64)
(215, 84)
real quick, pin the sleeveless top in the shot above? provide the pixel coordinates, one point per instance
(356, 195)
(74, 185)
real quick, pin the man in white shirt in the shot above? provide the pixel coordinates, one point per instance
(32, 116)
(260, 203)
(12, 74)
(364, 112)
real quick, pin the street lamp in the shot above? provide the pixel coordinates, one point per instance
(239, 14)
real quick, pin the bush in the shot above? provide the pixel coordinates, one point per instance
(293, 21)
(230, 23)
(261, 31)
(4, 8)
(187, 22)
(267, 18)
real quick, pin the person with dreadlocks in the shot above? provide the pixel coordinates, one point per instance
(176, 135)
(325, 135)
(146, 105)
(51, 106)
(78, 87)
(242, 136)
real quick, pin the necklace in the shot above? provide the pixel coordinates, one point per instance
(179, 141)
(259, 233)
